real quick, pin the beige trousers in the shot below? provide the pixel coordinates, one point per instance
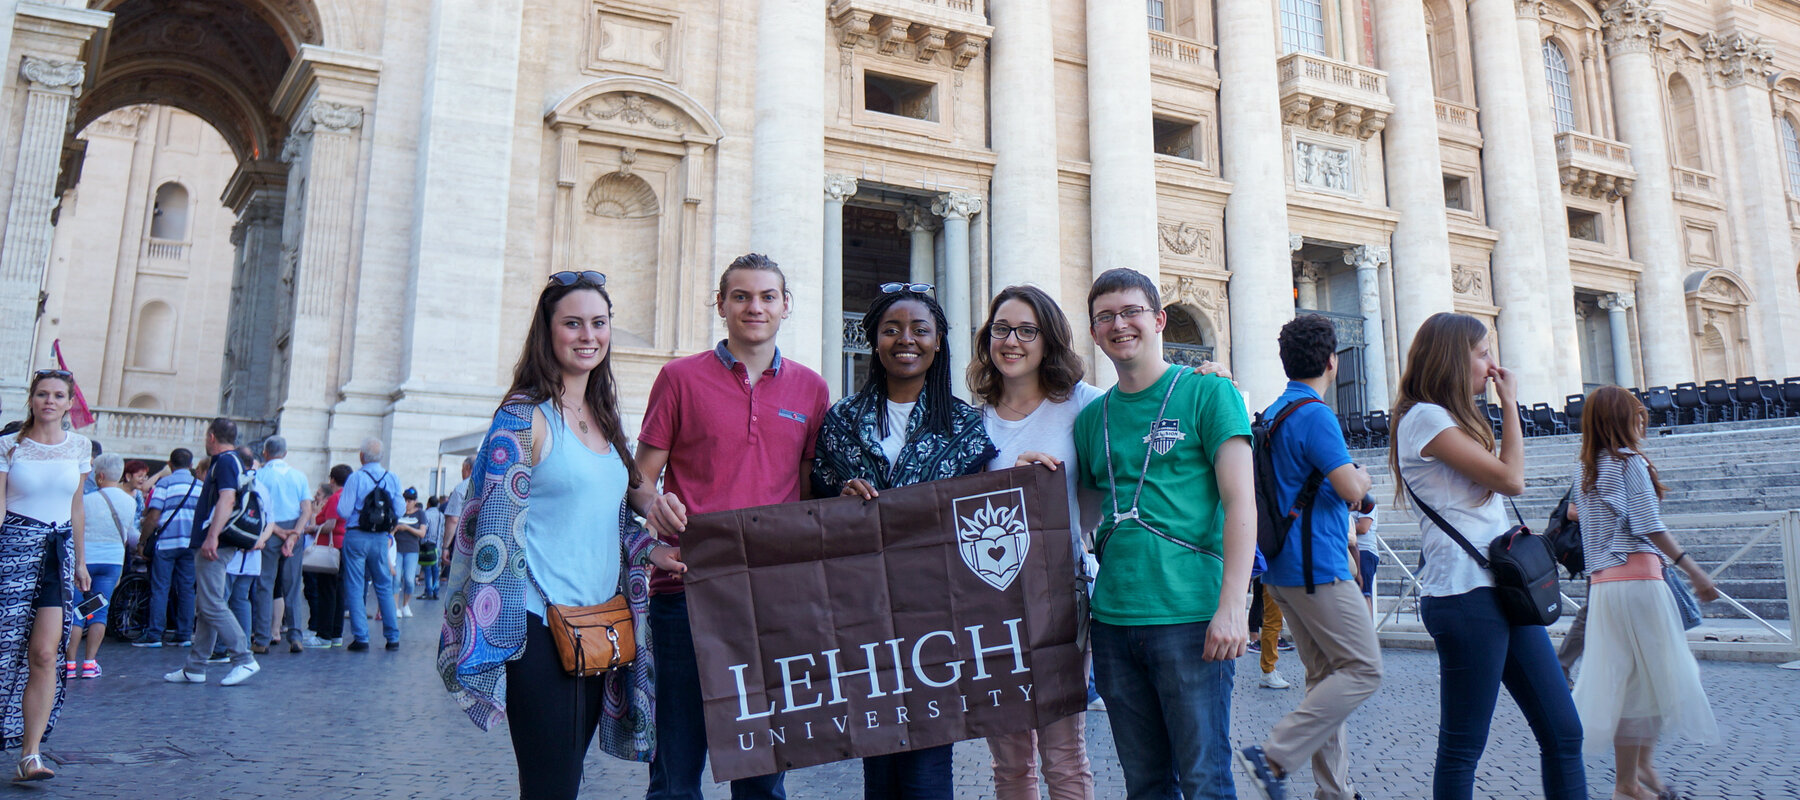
(1062, 743)
(1336, 642)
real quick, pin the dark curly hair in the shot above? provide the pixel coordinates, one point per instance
(937, 376)
(1060, 370)
(1307, 342)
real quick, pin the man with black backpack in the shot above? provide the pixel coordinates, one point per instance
(1305, 476)
(213, 621)
(370, 502)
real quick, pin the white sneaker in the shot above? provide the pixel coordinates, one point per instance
(406, 611)
(240, 673)
(183, 676)
(1273, 680)
(1097, 705)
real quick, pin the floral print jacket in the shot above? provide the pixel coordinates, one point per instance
(849, 445)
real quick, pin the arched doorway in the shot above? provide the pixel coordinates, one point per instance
(1718, 305)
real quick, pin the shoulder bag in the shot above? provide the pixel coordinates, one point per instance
(168, 517)
(1524, 569)
(321, 558)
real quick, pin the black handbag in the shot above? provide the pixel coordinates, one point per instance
(1524, 569)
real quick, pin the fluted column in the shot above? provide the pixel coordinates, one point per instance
(1526, 344)
(921, 226)
(956, 208)
(1368, 260)
(1559, 285)
(787, 221)
(838, 188)
(1421, 241)
(1256, 225)
(1023, 219)
(1631, 27)
(1618, 324)
(1742, 64)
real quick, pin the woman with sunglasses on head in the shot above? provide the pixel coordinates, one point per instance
(904, 426)
(41, 548)
(548, 525)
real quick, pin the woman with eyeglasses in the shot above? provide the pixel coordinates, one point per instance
(41, 556)
(548, 525)
(904, 426)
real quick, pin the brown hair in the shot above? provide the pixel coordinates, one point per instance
(1611, 419)
(30, 418)
(754, 261)
(1060, 370)
(538, 377)
(1437, 372)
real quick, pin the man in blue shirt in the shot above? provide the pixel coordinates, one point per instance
(364, 555)
(168, 520)
(287, 499)
(1321, 602)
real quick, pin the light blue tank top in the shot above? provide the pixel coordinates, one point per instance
(572, 524)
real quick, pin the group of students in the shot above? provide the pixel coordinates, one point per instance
(1160, 473)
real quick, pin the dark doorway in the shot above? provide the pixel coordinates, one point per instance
(876, 251)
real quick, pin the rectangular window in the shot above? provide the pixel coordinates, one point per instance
(1303, 27)
(1159, 18)
(1456, 193)
(887, 94)
(1584, 225)
(1176, 138)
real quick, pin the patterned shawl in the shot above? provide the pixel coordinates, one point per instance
(484, 620)
(849, 445)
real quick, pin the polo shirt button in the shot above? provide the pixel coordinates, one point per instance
(752, 417)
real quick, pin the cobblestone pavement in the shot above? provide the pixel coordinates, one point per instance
(330, 724)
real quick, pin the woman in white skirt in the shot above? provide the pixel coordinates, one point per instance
(1639, 681)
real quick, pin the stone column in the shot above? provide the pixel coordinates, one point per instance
(1742, 64)
(1256, 212)
(1559, 285)
(922, 225)
(788, 161)
(1121, 147)
(1526, 343)
(1421, 241)
(1306, 286)
(1368, 260)
(1024, 218)
(838, 188)
(1631, 28)
(956, 208)
(1618, 325)
(49, 88)
(260, 306)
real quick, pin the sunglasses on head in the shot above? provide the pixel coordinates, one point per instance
(53, 373)
(900, 286)
(589, 276)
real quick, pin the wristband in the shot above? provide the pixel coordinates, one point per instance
(1680, 557)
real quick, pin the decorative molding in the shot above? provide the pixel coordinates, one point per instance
(121, 122)
(1631, 26)
(839, 188)
(957, 205)
(1469, 281)
(61, 77)
(1368, 256)
(1295, 242)
(632, 109)
(1183, 238)
(916, 218)
(1332, 96)
(918, 31)
(621, 195)
(332, 117)
(1738, 59)
(1617, 302)
(1321, 167)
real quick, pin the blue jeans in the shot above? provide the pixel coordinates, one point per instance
(408, 564)
(431, 578)
(1478, 650)
(1170, 711)
(364, 556)
(926, 774)
(680, 725)
(243, 589)
(172, 569)
(106, 577)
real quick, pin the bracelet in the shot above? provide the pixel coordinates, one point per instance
(1680, 557)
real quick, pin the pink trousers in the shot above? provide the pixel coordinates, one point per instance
(1063, 745)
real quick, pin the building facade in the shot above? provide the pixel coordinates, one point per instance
(1614, 188)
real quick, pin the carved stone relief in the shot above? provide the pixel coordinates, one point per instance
(1182, 238)
(1322, 167)
(1470, 282)
(634, 110)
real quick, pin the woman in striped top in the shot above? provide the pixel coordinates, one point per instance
(1639, 681)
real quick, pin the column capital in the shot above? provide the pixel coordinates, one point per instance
(49, 75)
(1631, 26)
(839, 188)
(916, 218)
(1368, 256)
(1738, 58)
(1620, 302)
(1295, 242)
(957, 205)
(1529, 9)
(1308, 272)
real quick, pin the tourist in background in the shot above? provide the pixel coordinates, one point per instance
(286, 502)
(368, 538)
(1368, 553)
(136, 482)
(1639, 681)
(168, 521)
(214, 623)
(409, 534)
(324, 590)
(1443, 449)
(453, 511)
(432, 546)
(108, 516)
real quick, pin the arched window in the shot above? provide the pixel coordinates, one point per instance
(1562, 98)
(1159, 18)
(1687, 123)
(154, 345)
(1303, 27)
(1790, 151)
(169, 216)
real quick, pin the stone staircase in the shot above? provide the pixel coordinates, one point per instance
(1723, 470)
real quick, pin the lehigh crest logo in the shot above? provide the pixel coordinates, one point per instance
(1163, 436)
(992, 535)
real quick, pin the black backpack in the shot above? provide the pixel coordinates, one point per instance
(245, 526)
(1564, 536)
(377, 514)
(1272, 521)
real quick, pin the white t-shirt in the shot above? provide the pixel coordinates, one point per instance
(1448, 568)
(1365, 543)
(42, 479)
(1049, 429)
(102, 540)
(897, 414)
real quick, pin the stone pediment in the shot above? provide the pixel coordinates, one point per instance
(922, 30)
(637, 107)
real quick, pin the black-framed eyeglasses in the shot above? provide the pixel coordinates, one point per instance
(902, 286)
(1129, 313)
(566, 278)
(53, 373)
(1026, 333)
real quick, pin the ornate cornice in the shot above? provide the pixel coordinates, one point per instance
(839, 188)
(1738, 58)
(1617, 302)
(45, 75)
(1631, 26)
(957, 205)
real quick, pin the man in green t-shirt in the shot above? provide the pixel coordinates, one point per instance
(1169, 450)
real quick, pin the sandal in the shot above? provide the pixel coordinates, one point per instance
(31, 768)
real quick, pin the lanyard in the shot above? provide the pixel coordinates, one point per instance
(1120, 517)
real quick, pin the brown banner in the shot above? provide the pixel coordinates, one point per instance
(835, 629)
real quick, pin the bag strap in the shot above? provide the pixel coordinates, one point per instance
(117, 522)
(1445, 526)
(1303, 502)
(157, 534)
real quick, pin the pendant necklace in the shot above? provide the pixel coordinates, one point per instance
(581, 420)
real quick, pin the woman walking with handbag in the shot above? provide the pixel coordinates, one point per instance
(1443, 451)
(1638, 679)
(549, 545)
(41, 556)
(903, 427)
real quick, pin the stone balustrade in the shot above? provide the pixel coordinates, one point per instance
(1591, 166)
(166, 250)
(1458, 121)
(1694, 185)
(920, 29)
(1168, 49)
(140, 433)
(1325, 94)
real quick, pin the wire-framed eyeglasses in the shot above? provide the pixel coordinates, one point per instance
(1130, 313)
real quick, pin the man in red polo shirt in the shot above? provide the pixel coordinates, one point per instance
(725, 429)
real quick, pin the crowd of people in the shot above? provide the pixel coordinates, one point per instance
(1163, 481)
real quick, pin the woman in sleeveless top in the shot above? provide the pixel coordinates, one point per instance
(1638, 681)
(41, 556)
(548, 525)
